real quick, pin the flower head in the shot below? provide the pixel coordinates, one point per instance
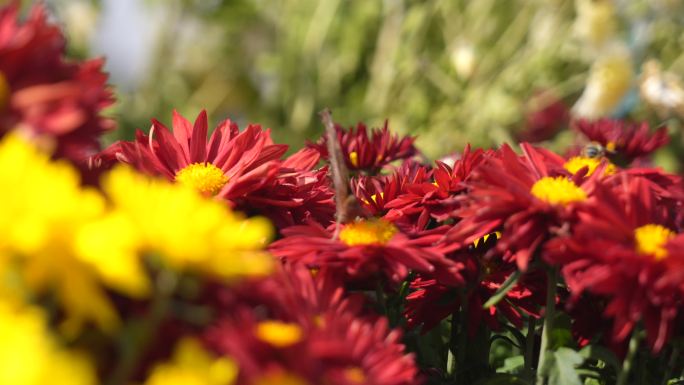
(624, 249)
(187, 231)
(376, 193)
(298, 193)
(610, 78)
(577, 163)
(547, 114)
(365, 248)
(623, 141)
(31, 355)
(431, 302)
(53, 101)
(192, 364)
(31, 247)
(366, 152)
(299, 328)
(439, 196)
(526, 198)
(230, 165)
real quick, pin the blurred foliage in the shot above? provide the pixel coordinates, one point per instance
(454, 71)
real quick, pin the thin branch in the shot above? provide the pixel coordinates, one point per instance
(338, 170)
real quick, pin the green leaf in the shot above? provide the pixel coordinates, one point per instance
(508, 284)
(517, 334)
(507, 339)
(601, 354)
(512, 364)
(563, 371)
(503, 379)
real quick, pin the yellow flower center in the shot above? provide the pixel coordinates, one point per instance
(374, 198)
(484, 239)
(4, 91)
(355, 374)
(203, 177)
(279, 334)
(651, 240)
(368, 232)
(354, 158)
(558, 191)
(576, 163)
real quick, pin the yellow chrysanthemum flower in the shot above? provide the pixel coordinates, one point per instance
(29, 355)
(43, 210)
(596, 21)
(609, 81)
(174, 222)
(192, 365)
(67, 240)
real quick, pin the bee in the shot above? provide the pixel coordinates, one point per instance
(594, 150)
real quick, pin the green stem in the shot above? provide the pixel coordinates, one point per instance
(629, 359)
(142, 333)
(670, 365)
(529, 344)
(380, 297)
(451, 357)
(549, 313)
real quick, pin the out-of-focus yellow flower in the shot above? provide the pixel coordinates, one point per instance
(44, 206)
(187, 231)
(63, 239)
(609, 80)
(29, 355)
(192, 365)
(596, 21)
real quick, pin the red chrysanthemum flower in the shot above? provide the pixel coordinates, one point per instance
(431, 302)
(624, 249)
(623, 141)
(52, 101)
(547, 115)
(527, 199)
(230, 165)
(439, 198)
(300, 327)
(668, 189)
(297, 194)
(368, 153)
(368, 247)
(374, 193)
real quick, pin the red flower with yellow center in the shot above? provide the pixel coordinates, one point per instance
(623, 249)
(440, 197)
(368, 153)
(528, 198)
(230, 165)
(431, 302)
(53, 101)
(376, 193)
(621, 140)
(367, 247)
(304, 328)
(297, 193)
(577, 163)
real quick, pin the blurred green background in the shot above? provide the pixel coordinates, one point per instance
(452, 71)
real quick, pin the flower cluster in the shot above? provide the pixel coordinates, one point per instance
(198, 258)
(45, 97)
